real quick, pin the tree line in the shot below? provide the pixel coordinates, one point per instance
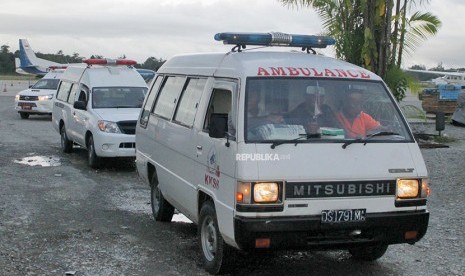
(8, 67)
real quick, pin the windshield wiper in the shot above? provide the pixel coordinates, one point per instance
(301, 136)
(364, 139)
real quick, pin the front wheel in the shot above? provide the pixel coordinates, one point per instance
(23, 115)
(162, 210)
(368, 253)
(94, 160)
(217, 256)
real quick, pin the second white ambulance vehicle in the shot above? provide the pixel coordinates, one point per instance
(38, 99)
(97, 106)
(251, 145)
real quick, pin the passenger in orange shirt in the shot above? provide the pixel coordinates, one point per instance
(356, 123)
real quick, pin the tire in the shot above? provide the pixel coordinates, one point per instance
(217, 257)
(66, 144)
(23, 115)
(368, 253)
(93, 159)
(162, 210)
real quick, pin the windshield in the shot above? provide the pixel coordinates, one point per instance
(306, 110)
(118, 97)
(46, 84)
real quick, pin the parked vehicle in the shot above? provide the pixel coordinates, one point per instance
(257, 148)
(38, 99)
(97, 106)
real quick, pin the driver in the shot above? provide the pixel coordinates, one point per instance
(356, 122)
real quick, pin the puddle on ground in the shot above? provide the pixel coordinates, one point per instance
(44, 161)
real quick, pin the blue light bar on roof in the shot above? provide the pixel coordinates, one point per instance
(275, 39)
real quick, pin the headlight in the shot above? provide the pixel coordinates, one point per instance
(259, 192)
(46, 97)
(265, 192)
(17, 98)
(408, 188)
(109, 127)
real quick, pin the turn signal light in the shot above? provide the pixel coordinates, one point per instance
(410, 235)
(262, 243)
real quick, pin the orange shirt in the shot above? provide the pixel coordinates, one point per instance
(360, 126)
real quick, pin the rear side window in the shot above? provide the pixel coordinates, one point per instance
(63, 91)
(189, 102)
(168, 96)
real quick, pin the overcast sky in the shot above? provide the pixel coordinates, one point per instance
(162, 28)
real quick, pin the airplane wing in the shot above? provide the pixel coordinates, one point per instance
(437, 72)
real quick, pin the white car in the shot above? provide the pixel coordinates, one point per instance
(97, 107)
(38, 99)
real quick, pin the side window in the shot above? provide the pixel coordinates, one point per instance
(72, 94)
(187, 107)
(220, 106)
(63, 91)
(168, 96)
(144, 117)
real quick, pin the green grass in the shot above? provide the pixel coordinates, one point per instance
(17, 77)
(444, 139)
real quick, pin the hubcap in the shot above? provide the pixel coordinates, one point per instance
(209, 239)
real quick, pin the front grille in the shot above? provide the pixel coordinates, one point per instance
(26, 104)
(127, 127)
(127, 145)
(28, 98)
(340, 189)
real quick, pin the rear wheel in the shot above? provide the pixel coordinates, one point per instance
(66, 144)
(217, 256)
(368, 253)
(23, 115)
(94, 160)
(162, 210)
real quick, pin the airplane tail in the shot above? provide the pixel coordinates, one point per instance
(27, 57)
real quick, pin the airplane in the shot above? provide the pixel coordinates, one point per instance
(447, 77)
(29, 63)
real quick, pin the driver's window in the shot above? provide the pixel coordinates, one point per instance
(220, 106)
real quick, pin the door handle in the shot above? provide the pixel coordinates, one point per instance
(199, 147)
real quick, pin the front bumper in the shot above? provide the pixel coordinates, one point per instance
(114, 145)
(34, 107)
(309, 232)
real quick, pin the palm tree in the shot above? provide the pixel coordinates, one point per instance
(362, 29)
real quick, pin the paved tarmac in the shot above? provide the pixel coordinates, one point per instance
(69, 218)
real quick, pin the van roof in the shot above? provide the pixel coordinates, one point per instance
(266, 64)
(99, 76)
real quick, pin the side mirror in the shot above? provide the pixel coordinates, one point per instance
(80, 105)
(218, 125)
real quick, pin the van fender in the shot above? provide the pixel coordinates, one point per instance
(224, 214)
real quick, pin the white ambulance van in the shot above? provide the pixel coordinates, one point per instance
(97, 106)
(277, 150)
(38, 99)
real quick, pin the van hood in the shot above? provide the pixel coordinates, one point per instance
(36, 92)
(330, 162)
(118, 114)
